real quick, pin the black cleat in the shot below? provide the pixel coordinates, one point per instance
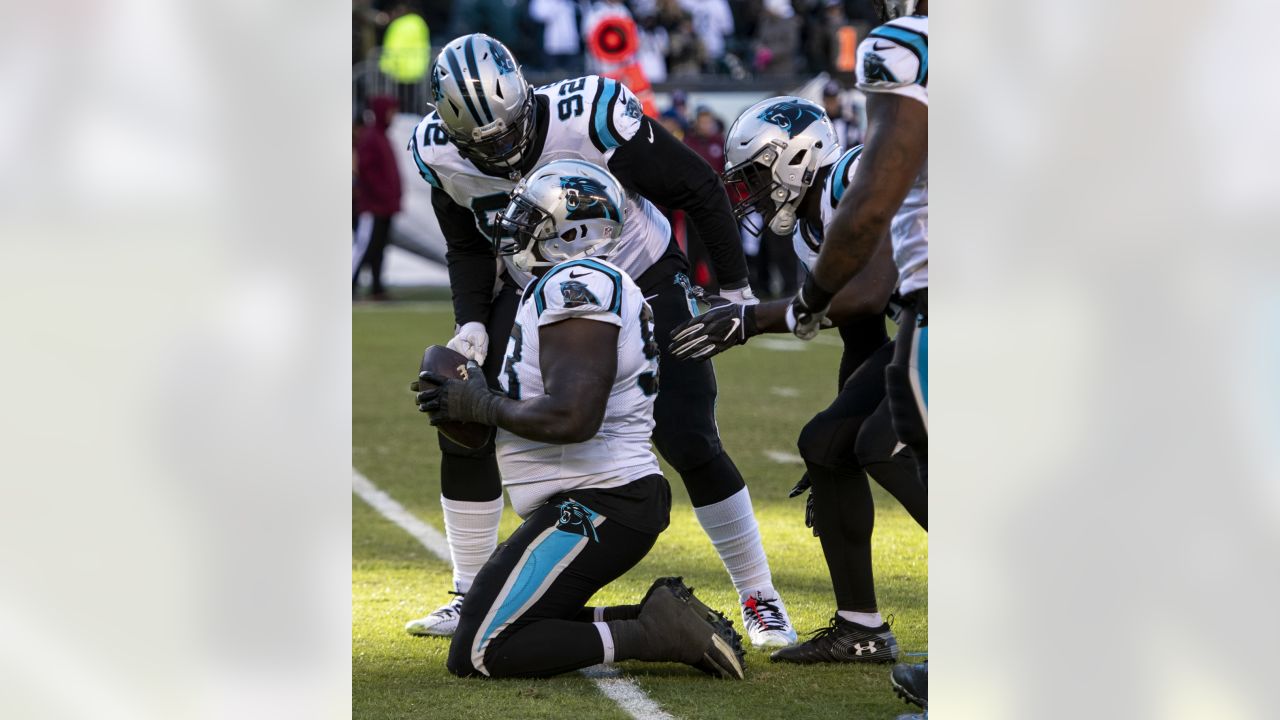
(843, 641)
(706, 638)
(911, 683)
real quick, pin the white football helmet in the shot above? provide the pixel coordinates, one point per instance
(772, 154)
(892, 9)
(564, 210)
(484, 101)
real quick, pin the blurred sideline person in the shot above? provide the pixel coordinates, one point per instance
(490, 129)
(785, 163)
(889, 196)
(574, 417)
(378, 194)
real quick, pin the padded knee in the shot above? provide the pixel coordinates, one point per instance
(459, 660)
(816, 440)
(449, 447)
(684, 448)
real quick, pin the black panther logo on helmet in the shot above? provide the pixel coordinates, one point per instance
(501, 58)
(791, 116)
(576, 519)
(587, 198)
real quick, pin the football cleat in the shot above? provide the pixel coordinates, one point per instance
(915, 716)
(911, 683)
(443, 622)
(765, 618)
(699, 635)
(843, 641)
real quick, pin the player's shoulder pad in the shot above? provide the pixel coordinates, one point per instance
(615, 112)
(842, 174)
(895, 55)
(430, 148)
(578, 288)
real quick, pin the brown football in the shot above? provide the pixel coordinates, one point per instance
(448, 363)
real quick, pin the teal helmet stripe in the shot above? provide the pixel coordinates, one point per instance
(452, 58)
(475, 77)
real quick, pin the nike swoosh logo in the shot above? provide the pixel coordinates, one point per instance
(876, 46)
(733, 329)
(650, 133)
(577, 276)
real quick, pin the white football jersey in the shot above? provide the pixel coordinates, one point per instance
(807, 240)
(894, 58)
(620, 452)
(589, 118)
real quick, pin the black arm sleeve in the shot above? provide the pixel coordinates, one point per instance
(670, 174)
(470, 258)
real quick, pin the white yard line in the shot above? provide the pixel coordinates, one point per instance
(622, 691)
(388, 508)
(785, 458)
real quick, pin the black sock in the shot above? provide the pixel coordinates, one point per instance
(844, 516)
(712, 481)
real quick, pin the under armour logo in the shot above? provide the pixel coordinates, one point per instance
(868, 647)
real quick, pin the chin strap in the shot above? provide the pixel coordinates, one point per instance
(784, 221)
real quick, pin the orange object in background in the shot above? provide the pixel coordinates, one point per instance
(613, 41)
(846, 49)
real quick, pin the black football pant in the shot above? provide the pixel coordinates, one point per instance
(525, 614)
(685, 431)
(907, 379)
(841, 446)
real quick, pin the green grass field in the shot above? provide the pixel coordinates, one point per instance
(768, 390)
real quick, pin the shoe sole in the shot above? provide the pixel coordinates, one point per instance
(722, 661)
(725, 658)
(431, 631)
(906, 696)
(774, 642)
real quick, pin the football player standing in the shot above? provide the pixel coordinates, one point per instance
(784, 161)
(891, 193)
(490, 129)
(574, 415)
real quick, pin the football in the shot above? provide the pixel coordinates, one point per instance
(448, 363)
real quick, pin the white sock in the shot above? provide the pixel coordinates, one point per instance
(472, 531)
(606, 640)
(732, 527)
(871, 620)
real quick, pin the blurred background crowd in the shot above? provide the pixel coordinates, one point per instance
(694, 63)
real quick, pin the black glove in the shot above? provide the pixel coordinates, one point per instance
(799, 489)
(808, 311)
(449, 400)
(725, 325)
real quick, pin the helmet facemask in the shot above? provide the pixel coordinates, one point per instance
(499, 148)
(580, 219)
(753, 187)
(893, 9)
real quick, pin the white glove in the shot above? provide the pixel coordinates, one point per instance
(740, 296)
(472, 341)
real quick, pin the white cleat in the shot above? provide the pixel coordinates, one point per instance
(441, 623)
(765, 618)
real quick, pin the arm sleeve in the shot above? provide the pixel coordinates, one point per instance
(669, 173)
(579, 289)
(469, 257)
